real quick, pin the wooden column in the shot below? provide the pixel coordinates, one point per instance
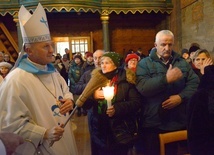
(105, 18)
(20, 41)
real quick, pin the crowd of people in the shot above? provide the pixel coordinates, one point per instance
(159, 93)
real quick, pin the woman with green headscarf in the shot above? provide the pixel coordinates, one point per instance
(113, 128)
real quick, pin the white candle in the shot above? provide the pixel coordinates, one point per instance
(108, 92)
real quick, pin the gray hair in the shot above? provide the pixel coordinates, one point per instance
(163, 32)
(99, 50)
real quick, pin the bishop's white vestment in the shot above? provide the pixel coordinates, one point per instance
(28, 107)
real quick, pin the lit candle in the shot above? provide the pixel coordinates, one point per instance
(108, 92)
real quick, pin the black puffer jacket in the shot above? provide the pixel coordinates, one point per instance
(201, 116)
(127, 103)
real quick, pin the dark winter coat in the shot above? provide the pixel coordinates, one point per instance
(152, 83)
(81, 84)
(198, 72)
(201, 116)
(86, 66)
(74, 74)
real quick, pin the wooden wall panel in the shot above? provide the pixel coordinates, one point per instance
(125, 31)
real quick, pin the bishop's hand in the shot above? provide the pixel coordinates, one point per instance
(55, 133)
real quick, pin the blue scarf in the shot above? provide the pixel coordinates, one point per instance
(26, 65)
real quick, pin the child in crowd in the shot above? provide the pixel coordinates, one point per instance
(4, 70)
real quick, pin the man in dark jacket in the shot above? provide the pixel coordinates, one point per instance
(80, 86)
(167, 81)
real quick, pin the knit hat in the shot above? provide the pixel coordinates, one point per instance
(131, 56)
(89, 54)
(115, 57)
(193, 49)
(6, 64)
(184, 51)
(78, 56)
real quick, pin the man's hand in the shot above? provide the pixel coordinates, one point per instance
(11, 141)
(172, 102)
(173, 74)
(66, 106)
(55, 133)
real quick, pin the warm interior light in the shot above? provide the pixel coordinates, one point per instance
(108, 92)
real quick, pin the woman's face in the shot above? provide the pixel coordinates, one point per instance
(132, 63)
(198, 61)
(77, 61)
(90, 59)
(107, 65)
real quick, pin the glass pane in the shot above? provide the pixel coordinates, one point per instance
(79, 44)
(77, 48)
(73, 48)
(82, 41)
(76, 41)
(60, 46)
(86, 47)
(82, 48)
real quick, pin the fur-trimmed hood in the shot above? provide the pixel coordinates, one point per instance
(130, 76)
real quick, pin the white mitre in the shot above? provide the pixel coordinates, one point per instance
(34, 27)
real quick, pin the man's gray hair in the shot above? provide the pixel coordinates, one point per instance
(163, 32)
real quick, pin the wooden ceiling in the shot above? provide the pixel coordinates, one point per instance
(101, 6)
